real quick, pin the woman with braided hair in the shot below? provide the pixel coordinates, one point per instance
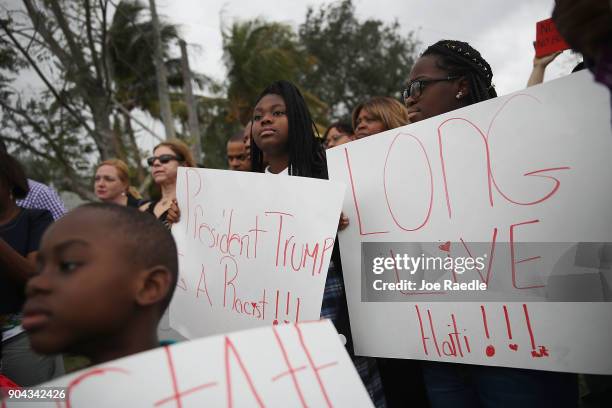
(455, 76)
(450, 75)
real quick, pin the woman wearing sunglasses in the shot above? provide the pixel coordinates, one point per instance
(166, 159)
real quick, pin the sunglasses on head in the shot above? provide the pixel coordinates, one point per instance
(163, 159)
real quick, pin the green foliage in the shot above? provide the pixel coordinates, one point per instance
(256, 53)
(99, 71)
(353, 60)
(48, 142)
(10, 62)
(130, 53)
(217, 129)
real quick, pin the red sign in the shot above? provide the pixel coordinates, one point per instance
(548, 39)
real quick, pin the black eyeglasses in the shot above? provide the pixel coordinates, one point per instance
(163, 159)
(416, 87)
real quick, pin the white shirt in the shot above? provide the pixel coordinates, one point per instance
(284, 172)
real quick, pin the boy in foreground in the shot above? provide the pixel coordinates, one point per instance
(106, 274)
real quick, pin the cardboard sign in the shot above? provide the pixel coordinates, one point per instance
(548, 39)
(533, 166)
(285, 366)
(253, 249)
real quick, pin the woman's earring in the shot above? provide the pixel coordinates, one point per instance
(459, 95)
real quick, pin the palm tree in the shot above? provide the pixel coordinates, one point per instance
(131, 63)
(130, 54)
(257, 53)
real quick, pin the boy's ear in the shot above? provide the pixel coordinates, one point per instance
(153, 285)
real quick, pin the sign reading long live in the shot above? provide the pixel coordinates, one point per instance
(286, 366)
(253, 249)
(486, 183)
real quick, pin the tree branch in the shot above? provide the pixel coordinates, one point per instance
(105, 63)
(27, 146)
(37, 19)
(31, 39)
(45, 80)
(128, 113)
(82, 190)
(76, 51)
(92, 45)
(58, 152)
(70, 177)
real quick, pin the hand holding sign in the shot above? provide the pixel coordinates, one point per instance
(539, 67)
(548, 40)
(250, 263)
(542, 62)
(501, 172)
(174, 214)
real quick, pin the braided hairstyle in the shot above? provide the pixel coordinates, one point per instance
(306, 152)
(458, 58)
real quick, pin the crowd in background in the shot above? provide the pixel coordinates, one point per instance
(43, 315)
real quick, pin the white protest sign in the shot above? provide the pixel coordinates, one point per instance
(533, 166)
(253, 249)
(282, 366)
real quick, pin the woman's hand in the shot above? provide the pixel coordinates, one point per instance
(343, 223)
(539, 67)
(542, 62)
(174, 214)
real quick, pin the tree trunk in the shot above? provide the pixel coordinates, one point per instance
(140, 172)
(192, 108)
(118, 139)
(162, 76)
(101, 112)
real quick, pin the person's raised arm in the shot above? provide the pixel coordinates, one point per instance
(539, 68)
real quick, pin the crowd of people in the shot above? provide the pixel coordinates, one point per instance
(96, 281)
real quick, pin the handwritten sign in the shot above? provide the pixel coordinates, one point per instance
(253, 249)
(286, 366)
(548, 39)
(533, 166)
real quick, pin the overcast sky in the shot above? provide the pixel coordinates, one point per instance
(501, 30)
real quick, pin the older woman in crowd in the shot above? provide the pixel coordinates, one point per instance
(377, 115)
